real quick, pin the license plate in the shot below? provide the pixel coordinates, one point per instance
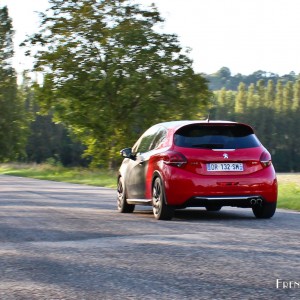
(222, 167)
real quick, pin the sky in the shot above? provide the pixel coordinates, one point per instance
(243, 35)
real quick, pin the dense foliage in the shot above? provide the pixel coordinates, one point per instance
(13, 119)
(53, 143)
(109, 75)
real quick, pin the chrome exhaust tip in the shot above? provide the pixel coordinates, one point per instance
(259, 201)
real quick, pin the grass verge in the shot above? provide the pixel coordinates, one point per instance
(289, 196)
(97, 177)
(288, 191)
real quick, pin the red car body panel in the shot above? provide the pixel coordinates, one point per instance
(183, 183)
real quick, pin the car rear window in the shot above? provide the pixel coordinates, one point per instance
(212, 136)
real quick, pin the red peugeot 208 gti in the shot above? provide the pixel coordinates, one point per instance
(197, 164)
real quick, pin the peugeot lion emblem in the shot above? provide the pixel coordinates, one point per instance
(225, 155)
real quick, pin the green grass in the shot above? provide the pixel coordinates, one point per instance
(288, 192)
(97, 177)
(289, 196)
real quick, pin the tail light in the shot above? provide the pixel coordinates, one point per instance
(265, 159)
(174, 158)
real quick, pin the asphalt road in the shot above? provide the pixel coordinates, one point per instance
(67, 241)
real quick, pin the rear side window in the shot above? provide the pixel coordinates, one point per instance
(150, 140)
(212, 136)
(144, 143)
(159, 138)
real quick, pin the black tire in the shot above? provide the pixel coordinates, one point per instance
(123, 206)
(161, 210)
(265, 210)
(213, 208)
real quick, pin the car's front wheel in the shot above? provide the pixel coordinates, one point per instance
(161, 210)
(123, 206)
(265, 210)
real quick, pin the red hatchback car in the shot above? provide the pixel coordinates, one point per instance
(209, 164)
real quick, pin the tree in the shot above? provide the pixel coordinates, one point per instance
(278, 103)
(288, 95)
(13, 120)
(251, 97)
(109, 74)
(296, 96)
(220, 108)
(224, 72)
(241, 99)
(270, 94)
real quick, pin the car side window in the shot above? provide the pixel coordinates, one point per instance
(159, 138)
(144, 143)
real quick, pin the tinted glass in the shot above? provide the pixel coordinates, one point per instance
(216, 137)
(159, 138)
(144, 143)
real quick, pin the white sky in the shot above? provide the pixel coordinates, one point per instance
(243, 35)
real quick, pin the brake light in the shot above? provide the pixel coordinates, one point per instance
(174, 158)
(265, 159)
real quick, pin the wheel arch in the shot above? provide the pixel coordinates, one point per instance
(157, 174)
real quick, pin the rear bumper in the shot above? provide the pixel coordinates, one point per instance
(236, 201)
(188, 189)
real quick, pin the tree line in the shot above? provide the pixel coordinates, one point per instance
(273, 110)
(224, 79)
(108, 75)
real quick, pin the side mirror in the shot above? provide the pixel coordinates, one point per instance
(127, 153)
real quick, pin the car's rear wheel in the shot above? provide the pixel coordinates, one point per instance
(265, 210)
(161, 210)
(123, 206)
